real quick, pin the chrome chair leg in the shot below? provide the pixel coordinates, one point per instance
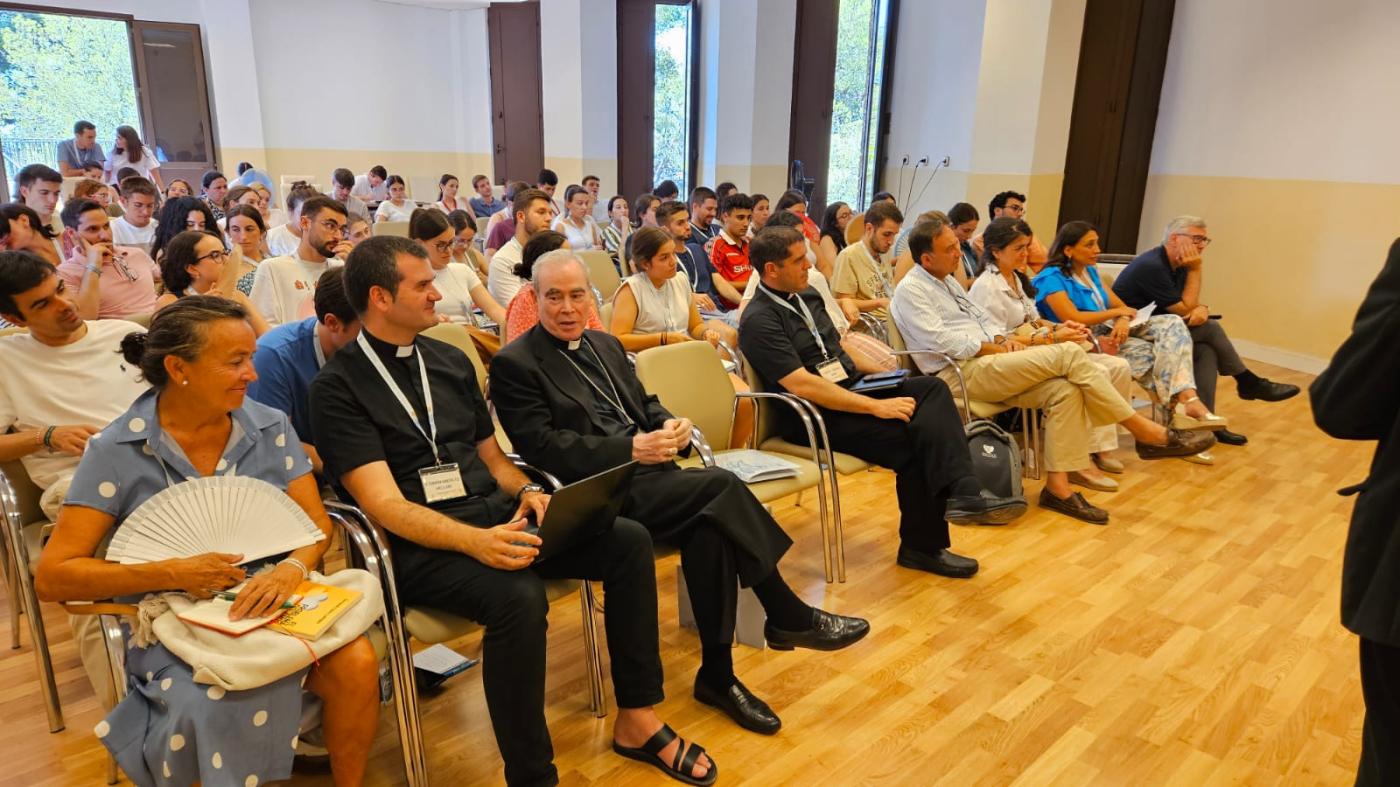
(115, 647)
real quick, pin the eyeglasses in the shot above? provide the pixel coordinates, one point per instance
(331, 225)
(444, 246)
(217, 256)
(1199, 240)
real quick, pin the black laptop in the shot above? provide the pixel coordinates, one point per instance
(582, 510)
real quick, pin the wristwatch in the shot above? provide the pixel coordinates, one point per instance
(527, 489)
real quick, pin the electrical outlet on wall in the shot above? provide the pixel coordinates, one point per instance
(947, 160)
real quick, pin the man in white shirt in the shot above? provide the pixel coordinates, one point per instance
(283, 287)
(370, 186)
(532, 216)
(1046, 370)
(284, 239)
(136, 227)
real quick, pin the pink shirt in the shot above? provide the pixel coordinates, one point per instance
(128, 285)
(523, 313)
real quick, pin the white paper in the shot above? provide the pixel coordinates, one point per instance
(1142, 315)
(439, 659)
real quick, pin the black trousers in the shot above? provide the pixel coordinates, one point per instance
(1380, 734)
(1212, 354)
(725, 535)
(511, 605)
(927, 455)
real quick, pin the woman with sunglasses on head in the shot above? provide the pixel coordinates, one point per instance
(196, 263)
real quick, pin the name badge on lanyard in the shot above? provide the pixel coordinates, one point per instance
(832, 370)
(443, 480)
(829, 368)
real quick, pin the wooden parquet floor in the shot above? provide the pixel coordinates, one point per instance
(1193, 641)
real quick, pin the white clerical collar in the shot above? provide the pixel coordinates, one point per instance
(403, 352)
(574, 344)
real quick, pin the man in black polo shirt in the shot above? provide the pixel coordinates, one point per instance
(1170, 276)
(401, 425)
(914, 429)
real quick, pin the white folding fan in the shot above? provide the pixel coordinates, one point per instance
(232, 514)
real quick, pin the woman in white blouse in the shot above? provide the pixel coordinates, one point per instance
(1003, 290)
(447, 196)
(396, 207)
(130, 151)
(653, 308)
(459, 284)
(575, 222)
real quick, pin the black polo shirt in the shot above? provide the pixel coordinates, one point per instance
(357, 420)
(1151, 278)
(776, 341)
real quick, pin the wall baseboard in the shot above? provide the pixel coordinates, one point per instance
(1288, 359)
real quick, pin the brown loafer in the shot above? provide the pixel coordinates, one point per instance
(1179, 443)
(1075, 505)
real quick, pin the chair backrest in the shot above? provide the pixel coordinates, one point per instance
(424, 189)
(605, 316)
(457, 336)
(896, 342)
(855, 228)
(10, 331)
(481, 222)
(690, 381)
(601, 272)
(27, 493)
(143, 319)
(395, 228)
(765, 425)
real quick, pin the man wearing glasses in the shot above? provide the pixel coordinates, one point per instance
(111, 282)
(1170, 276)
(283, 286)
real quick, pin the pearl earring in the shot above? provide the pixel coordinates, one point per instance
(184, 382)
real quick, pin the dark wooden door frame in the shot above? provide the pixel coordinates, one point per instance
(144, 98)
(501, 130)
(636, 94)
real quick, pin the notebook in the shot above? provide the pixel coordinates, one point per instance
(320, 606)
(213, 614)
(754, 466)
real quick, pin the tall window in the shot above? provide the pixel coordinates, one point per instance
(56, 69)
(856, 98)
(671, 118)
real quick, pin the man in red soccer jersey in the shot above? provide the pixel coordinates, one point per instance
(730, 258)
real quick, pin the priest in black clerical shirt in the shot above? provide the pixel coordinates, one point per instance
(572, 406)
(402, 428)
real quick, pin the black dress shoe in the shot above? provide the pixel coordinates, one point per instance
(984, 509)
(1230, 438)
(1179, 444)
(1075, 505)
(944, 563)
(828, 632)
(741, 705)
(1267, 390)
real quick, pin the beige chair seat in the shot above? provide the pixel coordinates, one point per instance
(846, 464)
(807, 477)
(432, 626)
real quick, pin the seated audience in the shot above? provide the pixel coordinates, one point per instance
(794, 201)
(178, 215)
(95, 190)
(283, 239)
(179, 187)
(761, 210)
(531, 208)
(371, 186)
(654, 307)
(283, 286)
(358, 231)
(136, 227)
(244, 226)
(1170, 275)
(463, 245)
(729, 255)
(963, 218)
(1158, 350)
(644, 214)
(194, 424)
(397, 207)
(272, 216)
(214, 189)
(1004, 292)
(833, 241)
(904, 261)
(573, 407)
(130, 151)
(861, 271)
(109, 282)
(77, 154)
(548, 182)
(667, 191)
(723, 190)
(460, 546)
(883, 196)
(702, 206)
(869, 354)
(290, 355)
(40, 187)
(249, 175)
(522, 313)
(617, 233)
(501, 226)
(592, 184)
(1012, 204)
(342, 184)
(484, 204)
(195, 263)
(675, 219)
(576, 223)
(21, 230)
(447, 195)
(458, 284)
(914, 429)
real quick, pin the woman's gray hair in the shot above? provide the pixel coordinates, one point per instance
(1182, 223)
(555, 259)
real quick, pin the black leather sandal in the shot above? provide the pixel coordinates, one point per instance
(681, 765)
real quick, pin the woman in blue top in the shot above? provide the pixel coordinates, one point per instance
(194, 423)
(1158, 351)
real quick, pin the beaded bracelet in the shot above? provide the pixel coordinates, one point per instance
(305, 572)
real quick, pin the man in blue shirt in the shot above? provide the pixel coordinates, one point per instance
(290, 355)
(1170, 276)
(74, 154)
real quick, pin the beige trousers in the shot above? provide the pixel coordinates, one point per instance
(1060, 379)
(1120, 374)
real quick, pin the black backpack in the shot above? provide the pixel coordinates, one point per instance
(996, 458)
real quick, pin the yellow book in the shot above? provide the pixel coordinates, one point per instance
(319, 607)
